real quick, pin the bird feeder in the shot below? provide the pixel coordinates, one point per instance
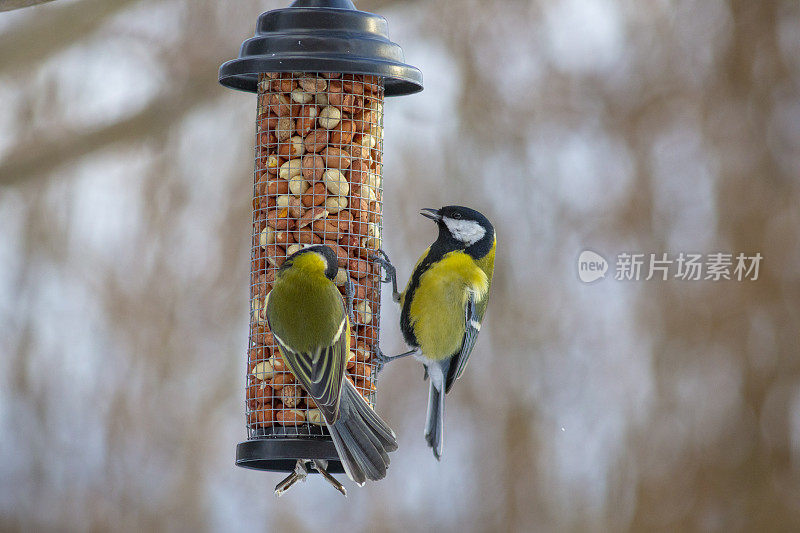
(321, 70)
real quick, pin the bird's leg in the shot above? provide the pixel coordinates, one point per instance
(299, 474)
(321, 465)
(391, 272)
(382, 359)
(349, 293)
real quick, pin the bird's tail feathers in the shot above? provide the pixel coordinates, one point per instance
(434, 428)
(361, 437)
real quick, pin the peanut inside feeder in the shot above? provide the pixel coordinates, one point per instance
(321, 70)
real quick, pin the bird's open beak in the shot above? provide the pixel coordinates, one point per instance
(432, 214)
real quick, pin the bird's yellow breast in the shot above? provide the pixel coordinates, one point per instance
(437, 307)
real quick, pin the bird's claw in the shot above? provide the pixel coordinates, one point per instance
(301, 472)
(387, 265)
(321, 465)
(391, 272)
(381, 360)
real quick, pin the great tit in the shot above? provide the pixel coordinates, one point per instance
(444, 303)
(307, 317)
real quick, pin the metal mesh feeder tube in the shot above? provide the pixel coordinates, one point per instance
(321, 71)
(318, 181)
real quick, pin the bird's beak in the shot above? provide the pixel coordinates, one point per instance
(432, 214)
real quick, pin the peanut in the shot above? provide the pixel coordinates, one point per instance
(307, 236)
(341, 277)
(279, 104)
(283, 238)
(321, 99)
(325, 228)
(362, 370)
(276, 255)
(290, 417)
(291, 395)
(277, 186)
(329, 117)
(263, 371)
(362, 353)
(307, 119)
(284, 85)
(313, 167)
(284, 128)
(313, 84)
(298, 185)
(257, 308)
(315, 417)
(272, 164)
(344, 133)
(336, 182)
(365, 384)
(350, 241)
(334, 204)
(312, 215)
(359, 171)
(336, 158)
(301, 97)
(256, 395)
(344, 219)
(295, 207)
(316, 140)
(294, 148)
(354, 87)
(341, 254)
(290, 169)
(358, 269)
(267, 236)
(280, 379)
(314, 195)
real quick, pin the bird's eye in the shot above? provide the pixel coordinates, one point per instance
(457, 216)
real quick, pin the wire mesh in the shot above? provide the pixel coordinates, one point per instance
(318, 180)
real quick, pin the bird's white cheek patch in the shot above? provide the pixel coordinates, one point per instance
(467, 231)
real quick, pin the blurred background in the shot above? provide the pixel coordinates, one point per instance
(614, 125)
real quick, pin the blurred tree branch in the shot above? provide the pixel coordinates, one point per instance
(10, 5)
(39, 157)
(53, 30)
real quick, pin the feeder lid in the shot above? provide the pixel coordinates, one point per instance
(321, 36)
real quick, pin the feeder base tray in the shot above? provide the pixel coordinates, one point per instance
(278, 453)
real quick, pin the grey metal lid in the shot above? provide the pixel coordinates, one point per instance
(321, 36)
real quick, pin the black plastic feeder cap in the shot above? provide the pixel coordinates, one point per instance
(321, 36)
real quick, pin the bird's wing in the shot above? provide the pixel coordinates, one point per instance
(472, 325)
(320, 373)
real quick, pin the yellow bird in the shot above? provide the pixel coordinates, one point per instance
(307, 317)
(444, 303)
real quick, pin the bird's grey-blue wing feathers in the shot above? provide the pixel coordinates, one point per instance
(319, 373)
(472, 326)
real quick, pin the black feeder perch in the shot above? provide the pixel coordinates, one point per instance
(321, 70)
